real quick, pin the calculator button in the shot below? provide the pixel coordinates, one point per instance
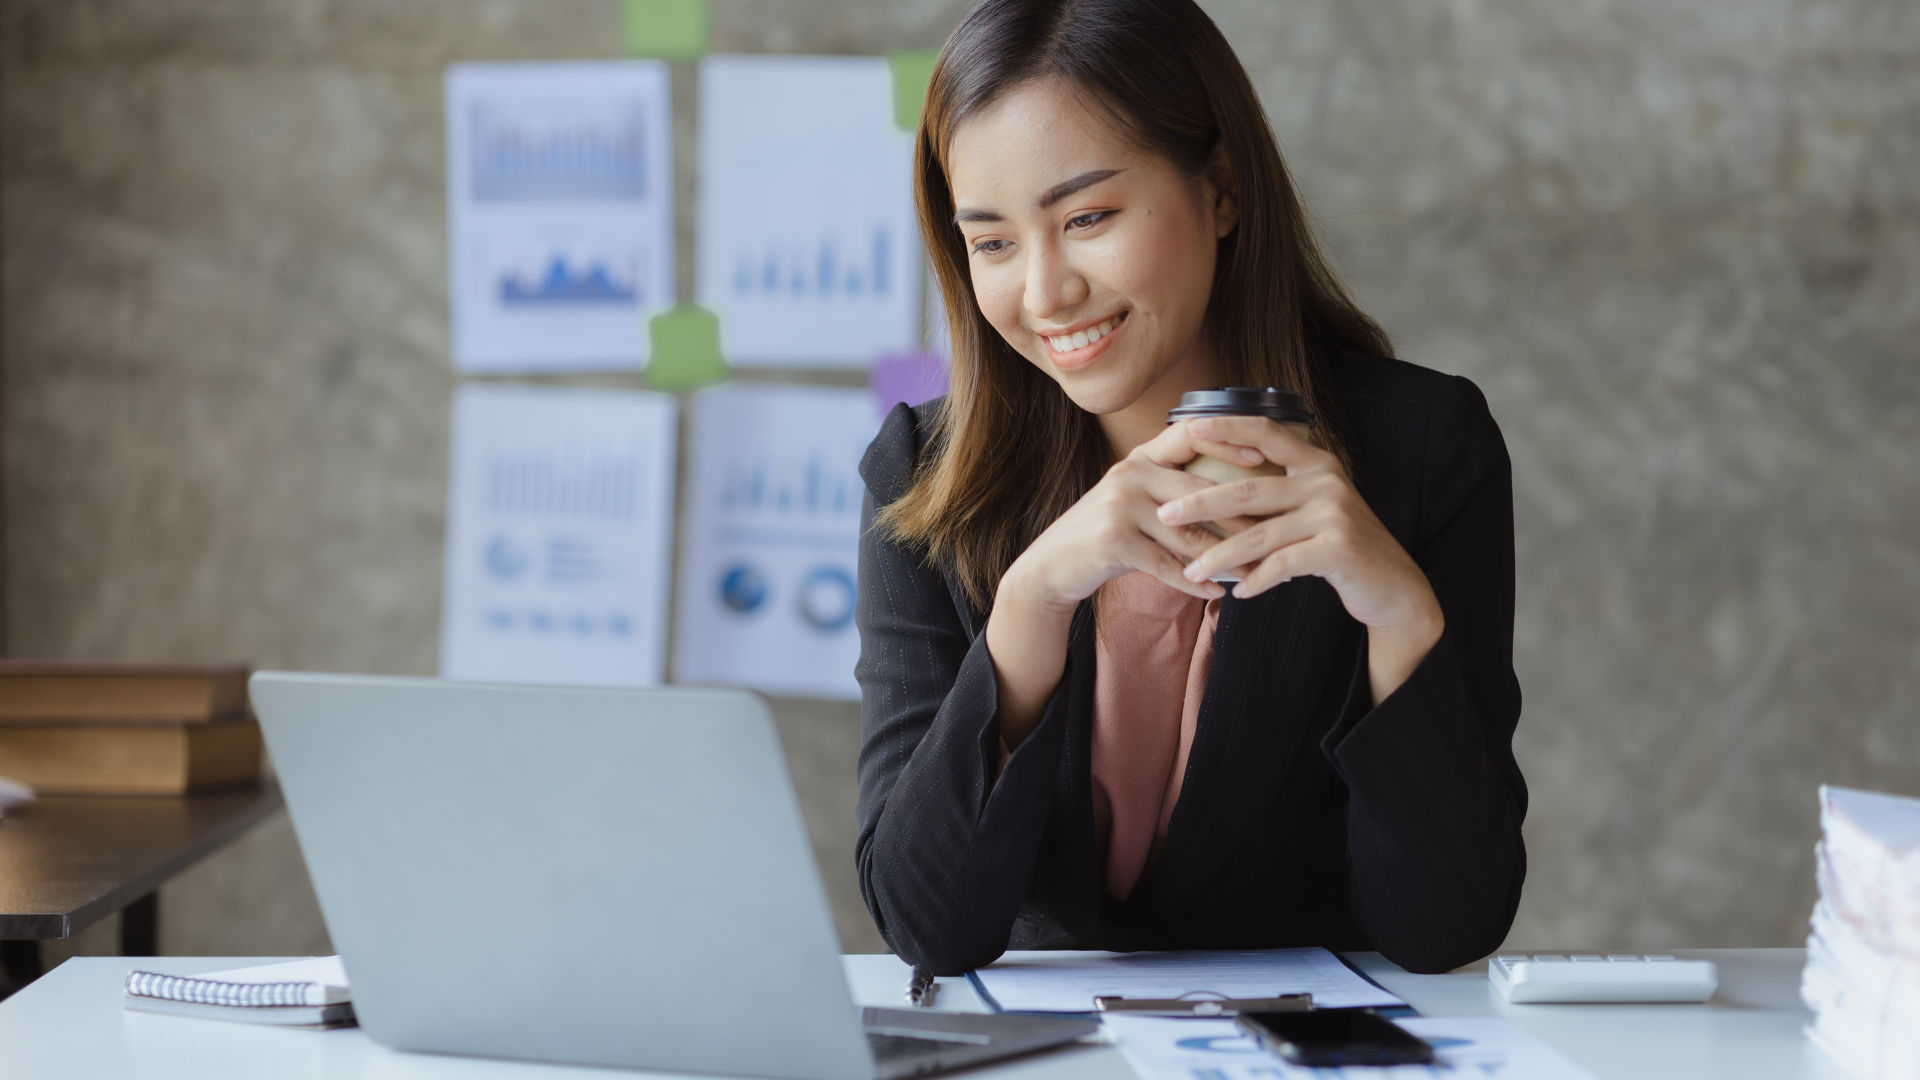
(1662, 957)
(1545, 957)
(1589, 959)
(1622, 958)
(1515, 959)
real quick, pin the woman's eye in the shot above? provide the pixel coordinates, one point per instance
(1088, 220)
(989, 247)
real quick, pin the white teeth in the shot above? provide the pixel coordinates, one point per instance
(1082, 339)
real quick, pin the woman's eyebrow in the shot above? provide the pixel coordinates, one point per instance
(1054, 194)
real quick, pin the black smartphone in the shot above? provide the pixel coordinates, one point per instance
(1335, 1037)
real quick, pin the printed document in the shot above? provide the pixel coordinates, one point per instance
(808, 246)
(559, 535)
(1069, 980)
(771, 544)
(559, 213)
(1161, 1049)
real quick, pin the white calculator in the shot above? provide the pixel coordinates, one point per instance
(1550, 977)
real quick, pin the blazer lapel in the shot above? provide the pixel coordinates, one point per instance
(1273, 656)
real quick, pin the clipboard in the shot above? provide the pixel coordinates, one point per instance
(1193, 1004)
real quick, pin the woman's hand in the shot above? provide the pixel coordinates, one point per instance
(1113, 529)
(1116, 528)
(1313, 523)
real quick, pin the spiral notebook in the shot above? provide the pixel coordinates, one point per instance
(303, 993)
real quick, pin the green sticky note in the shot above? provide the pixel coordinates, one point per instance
(669, 29)
(912, 71)
(686, 349)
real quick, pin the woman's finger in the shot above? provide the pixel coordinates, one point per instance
(1171, 448)
(1160, 485)
(1158, 482)
(1227, 526)
(1255, 496)
(1246, 457)
(1186, 542)
(1250, 546)
(1276, 442)
(1149, 557)
(1294, 560)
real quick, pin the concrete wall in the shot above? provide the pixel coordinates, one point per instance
(1678, 245)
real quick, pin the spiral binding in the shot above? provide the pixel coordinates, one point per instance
(214, 992)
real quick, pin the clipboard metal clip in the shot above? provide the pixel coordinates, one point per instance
(1192, 1003)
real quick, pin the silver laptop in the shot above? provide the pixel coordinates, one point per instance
(604, 877)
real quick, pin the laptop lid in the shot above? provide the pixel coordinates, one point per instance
(609, 877)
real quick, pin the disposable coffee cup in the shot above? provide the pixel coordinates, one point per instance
(1283, 407)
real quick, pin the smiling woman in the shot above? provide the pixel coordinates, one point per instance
(1072, 736)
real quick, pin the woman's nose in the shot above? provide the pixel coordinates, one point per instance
(1053, 285)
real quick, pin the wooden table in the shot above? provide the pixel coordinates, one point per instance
(68, 861)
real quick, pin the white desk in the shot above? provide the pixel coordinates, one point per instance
(70, 1025)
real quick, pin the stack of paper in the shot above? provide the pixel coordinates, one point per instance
(1863, 958)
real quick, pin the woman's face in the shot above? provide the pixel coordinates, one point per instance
(1092, 257)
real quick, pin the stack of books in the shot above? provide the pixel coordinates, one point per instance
(1863, 958)
(73, 728)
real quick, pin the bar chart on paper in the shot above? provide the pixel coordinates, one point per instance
(791, 496)
(546, 484)
(823, 272)
(542, 149)
(767, 576)
(559, 213)
(558, 533)
(807, 263)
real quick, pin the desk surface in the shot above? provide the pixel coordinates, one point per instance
(71, 1024)
(68, 861)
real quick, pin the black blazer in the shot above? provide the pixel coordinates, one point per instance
(1306, 817)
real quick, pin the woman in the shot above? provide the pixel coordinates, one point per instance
(1073, 736)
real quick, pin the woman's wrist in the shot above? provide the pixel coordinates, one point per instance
(1023, 588)
(1395, 651)
(1027, 640)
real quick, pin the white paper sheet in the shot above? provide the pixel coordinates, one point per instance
(559, 213)
(807, 241)
(1888, 823)
(1215, 1050)
(771, 543)
(559, 511)
(1069, 980)
(325, 970)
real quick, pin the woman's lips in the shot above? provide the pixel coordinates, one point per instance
(1075, 359)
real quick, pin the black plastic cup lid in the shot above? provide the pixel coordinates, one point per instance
(1272, 402)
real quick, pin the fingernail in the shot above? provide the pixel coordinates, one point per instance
(1201, 427)
(1170, 512)
(1251, 456)
(1215, 592)
(1194, 573)
(1240, 591)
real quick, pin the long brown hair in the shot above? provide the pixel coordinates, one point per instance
(1010, 452)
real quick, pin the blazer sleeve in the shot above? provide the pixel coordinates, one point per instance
(1435, 798)
(946, 850)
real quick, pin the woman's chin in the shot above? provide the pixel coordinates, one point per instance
(1101, 396)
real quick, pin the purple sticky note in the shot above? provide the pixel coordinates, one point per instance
(912, 377)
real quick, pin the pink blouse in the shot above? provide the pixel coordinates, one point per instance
(1153, 647)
